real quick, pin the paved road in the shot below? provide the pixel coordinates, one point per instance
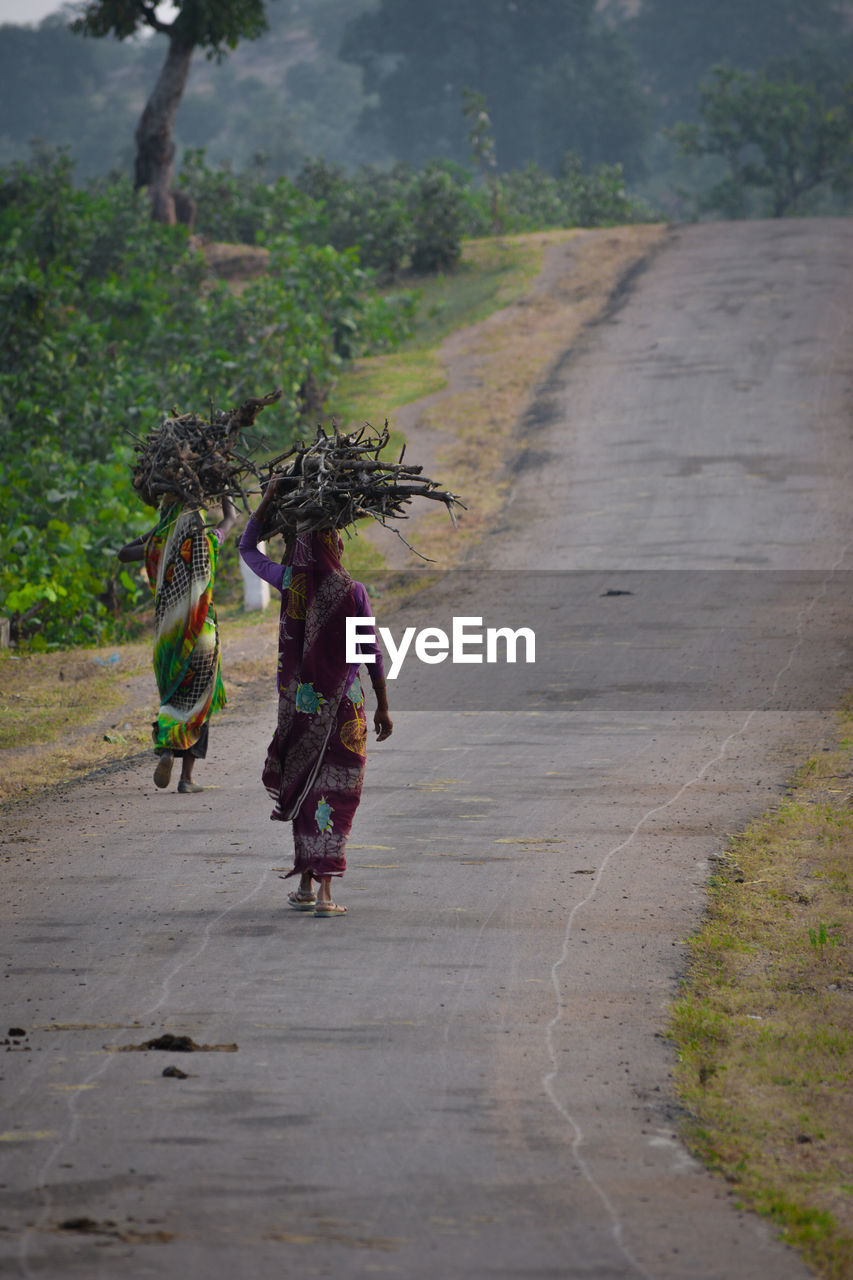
(466, 1077)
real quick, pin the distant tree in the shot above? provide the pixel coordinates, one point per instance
(482, 143)
(28, 56)
(555, 76)
(212, 25)
(678, 42)
(779, 134)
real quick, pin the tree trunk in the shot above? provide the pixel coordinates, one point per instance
(155, 149)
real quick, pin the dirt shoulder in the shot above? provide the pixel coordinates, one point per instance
(472, 433)
(65, 715)
(764, 1026)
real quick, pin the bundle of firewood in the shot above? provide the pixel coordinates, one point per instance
(199, 460)
(337, 479)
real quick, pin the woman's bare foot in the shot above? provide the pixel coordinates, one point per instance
(325, 906)
(163, 772)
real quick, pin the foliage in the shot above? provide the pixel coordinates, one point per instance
(437, 222)
(679, 43)
(555, 75)
(779, 134)
(205, 24)
(481, 141)
(86, 94)
(369, 210)
(244, 208)
(57, 558)
(399, 218)
(533, 200)
(106, 321)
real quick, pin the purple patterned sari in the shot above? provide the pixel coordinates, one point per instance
(315, 763)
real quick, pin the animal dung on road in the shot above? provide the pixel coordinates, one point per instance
(173, 1044)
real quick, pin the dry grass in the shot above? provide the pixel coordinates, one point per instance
(467, 435)
(765, 1026)
(63, 715)
(491, 275)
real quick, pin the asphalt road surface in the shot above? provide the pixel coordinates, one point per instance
(467, 1076)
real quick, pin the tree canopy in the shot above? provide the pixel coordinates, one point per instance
(213, 25)
(678, 43)
(784, 134)
(556, 79)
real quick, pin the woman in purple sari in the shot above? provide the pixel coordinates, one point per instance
(315, 762)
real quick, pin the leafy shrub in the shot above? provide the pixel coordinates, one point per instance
(533, 200)
(399, 219)
(106, 321)
(368, 212)
(437, 222)
(244, 208)
(64, 520)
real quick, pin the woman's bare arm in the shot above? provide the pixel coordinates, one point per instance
(382, 721)
(134, 550)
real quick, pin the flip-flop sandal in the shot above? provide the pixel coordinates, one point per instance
(302, 901)
(329, 909)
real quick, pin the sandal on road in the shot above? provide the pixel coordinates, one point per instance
(302, 899)
(329, 909)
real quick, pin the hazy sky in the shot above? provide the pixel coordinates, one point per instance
(34, 10)
(26, 10)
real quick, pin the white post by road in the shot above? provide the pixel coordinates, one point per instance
(256, 592)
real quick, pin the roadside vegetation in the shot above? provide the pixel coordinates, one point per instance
(72, 709)
(782, 136)
(109, 319)
(764, 1025)
(92, 706)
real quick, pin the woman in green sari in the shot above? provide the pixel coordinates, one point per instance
(180, 556)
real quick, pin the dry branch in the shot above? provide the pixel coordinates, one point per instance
(337, 479)
(201, 460)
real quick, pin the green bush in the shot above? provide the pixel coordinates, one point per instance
(106, 322)
(401, 218)
(533, 200)
(244, 208)
(436, 207)
(63, 520)
(368, 212)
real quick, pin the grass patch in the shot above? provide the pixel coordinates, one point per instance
(491, 275)
(43, 696)
(764, 1027)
